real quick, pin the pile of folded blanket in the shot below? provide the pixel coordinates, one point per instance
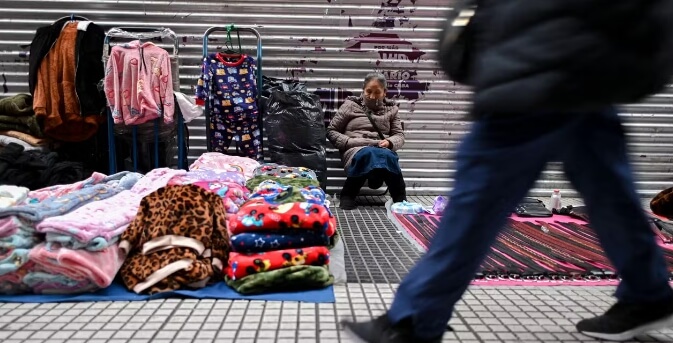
(63, 239)
(280, 237)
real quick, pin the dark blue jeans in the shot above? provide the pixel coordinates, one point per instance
(498, 162)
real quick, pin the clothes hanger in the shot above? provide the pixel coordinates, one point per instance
(228, 45)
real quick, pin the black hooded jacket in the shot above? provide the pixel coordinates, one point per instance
(89, 69)
(538, 55)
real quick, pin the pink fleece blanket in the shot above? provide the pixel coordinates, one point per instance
(99, 267)
(109, 217)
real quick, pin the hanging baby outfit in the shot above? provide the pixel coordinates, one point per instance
(139, 84)
(229, 84)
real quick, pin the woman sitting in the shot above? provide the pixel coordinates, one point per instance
(367, 131)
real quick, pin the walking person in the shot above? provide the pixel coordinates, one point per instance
(547, 77)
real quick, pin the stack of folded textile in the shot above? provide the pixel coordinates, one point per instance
(27, 262)
(223, 175)
(64, 238)
(280, 238)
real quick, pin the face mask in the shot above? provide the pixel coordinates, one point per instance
(373, 104)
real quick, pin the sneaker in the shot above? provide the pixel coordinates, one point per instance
(623, 322)
(380, 330)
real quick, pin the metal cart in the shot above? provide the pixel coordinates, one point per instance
(237, 29)
(145, 33)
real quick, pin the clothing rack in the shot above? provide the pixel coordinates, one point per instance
(146, 33)
(238, 29)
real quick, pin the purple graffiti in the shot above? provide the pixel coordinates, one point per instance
(403, 84)
(388, 45)
(391, 13)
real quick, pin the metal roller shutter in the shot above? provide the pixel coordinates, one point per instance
(332, 44)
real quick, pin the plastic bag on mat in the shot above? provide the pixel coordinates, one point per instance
(295, 130)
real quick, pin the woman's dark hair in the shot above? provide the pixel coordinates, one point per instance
(378, 77)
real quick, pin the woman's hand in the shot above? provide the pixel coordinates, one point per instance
(384, 144)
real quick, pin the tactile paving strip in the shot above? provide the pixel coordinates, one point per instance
(375, 251)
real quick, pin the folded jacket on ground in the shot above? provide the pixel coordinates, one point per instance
(6, 140)
(233, 195)
(242, 265)
(275, 192)
(281, 171)
(219, 161)
(100, 268)
(258, 215)
(12, 195)
(57, 206)
(25, 124)
(30, 139)
(295, 278)
(269, 241)
(17, 105)
(178, 239)
(195, 176)
(253, 183)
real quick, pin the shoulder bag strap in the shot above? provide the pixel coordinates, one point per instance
(371, 120)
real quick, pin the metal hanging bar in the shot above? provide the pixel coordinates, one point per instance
(73, 17)
(260, 80)
(145, 33)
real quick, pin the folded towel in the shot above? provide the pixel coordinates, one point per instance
(100, 268)
(17, 105)
(57, 206)
(258, 215)
(268, 241)
(295, 278)
(219, 161)
(242, 265)
(209, 175)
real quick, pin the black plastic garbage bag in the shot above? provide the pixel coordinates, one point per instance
(295, 128)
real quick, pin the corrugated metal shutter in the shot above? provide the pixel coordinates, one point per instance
(332, 44)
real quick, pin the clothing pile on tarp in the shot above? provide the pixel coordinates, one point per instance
(280, 238)
(18, 123)
(294, 124)
(169, 230)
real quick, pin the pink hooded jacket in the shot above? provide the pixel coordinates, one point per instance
(138, 83)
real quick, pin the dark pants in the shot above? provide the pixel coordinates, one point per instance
(498, 162)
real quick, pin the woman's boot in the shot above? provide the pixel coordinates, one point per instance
(350, 190)
(396, 187)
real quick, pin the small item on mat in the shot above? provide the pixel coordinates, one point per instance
(440, 204)
(555, 202)
(405, 207)
(293, 278)
(532, 208)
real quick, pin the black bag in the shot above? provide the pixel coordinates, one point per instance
(456, 42)
(294, 124)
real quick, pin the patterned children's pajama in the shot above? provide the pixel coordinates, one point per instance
(228, 83)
